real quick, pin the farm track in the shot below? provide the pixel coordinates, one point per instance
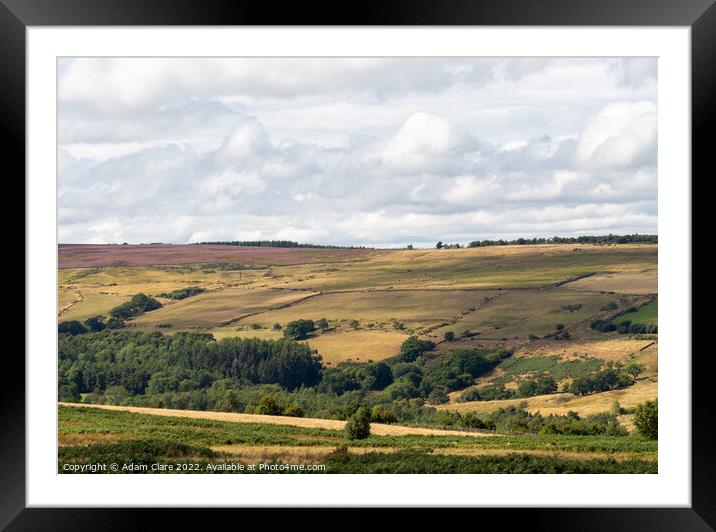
(316, 423)
(70, 305)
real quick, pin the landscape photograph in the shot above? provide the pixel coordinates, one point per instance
(357, 265)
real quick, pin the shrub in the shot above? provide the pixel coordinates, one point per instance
(646, 419)
(268, 407)
(277, 327)
(380, 414)
(449, 336)
(323, 324)
(294, 410)
(229, 402)
(493, 392)
(358, 425)
(438, 397)
(182, 293)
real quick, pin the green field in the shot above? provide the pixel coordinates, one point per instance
(519, 313)
(415, 308)
(647, 314)
(98, 436)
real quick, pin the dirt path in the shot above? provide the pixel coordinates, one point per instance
(73, 303)
(332, 424)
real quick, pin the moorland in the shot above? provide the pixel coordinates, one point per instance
(500, 357)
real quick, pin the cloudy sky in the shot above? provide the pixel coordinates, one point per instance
(357, 151)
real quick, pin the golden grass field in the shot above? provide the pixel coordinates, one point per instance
(489, 267)
(413, 307)
(217, 307)
(645, 282)
(561, 403)
(376, 428)
(359, 346)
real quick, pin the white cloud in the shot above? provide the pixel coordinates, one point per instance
(622, 134)
(355, 151)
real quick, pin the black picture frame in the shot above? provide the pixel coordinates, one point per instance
(17, 15)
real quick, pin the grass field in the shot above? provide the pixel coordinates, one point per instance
(561, 403)
(215, 308)
(359, 346)
(415, 308)
(648, 314)
(92, 435)
(644, 282)
(507, 297)
(519, 313)
(491, 267)
(91, 304)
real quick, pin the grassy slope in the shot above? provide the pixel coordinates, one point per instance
(433, 277)
(89, 435)
(648, 314)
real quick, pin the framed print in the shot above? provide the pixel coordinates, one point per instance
(421, 257)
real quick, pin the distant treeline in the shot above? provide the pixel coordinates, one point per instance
(603, 239)
(276, 244)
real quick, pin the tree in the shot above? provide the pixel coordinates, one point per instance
(380, 414)
(410, 246)
(228, 403)
(646, 419)
(438, 396)
(298, 329)
(354, 324)
(95, 324)
(268, 407)
(72, 327)
(414, 347)
(139, 304)
(375, 376)
(449, 336)
(559, 327)
(358, 425)
(634, 369)
(69, 393)
(114, 323)
(439, 245)
(277, 327)
(323, 324)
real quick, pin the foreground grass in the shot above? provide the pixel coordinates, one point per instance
(100, 436)
(147, 454)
